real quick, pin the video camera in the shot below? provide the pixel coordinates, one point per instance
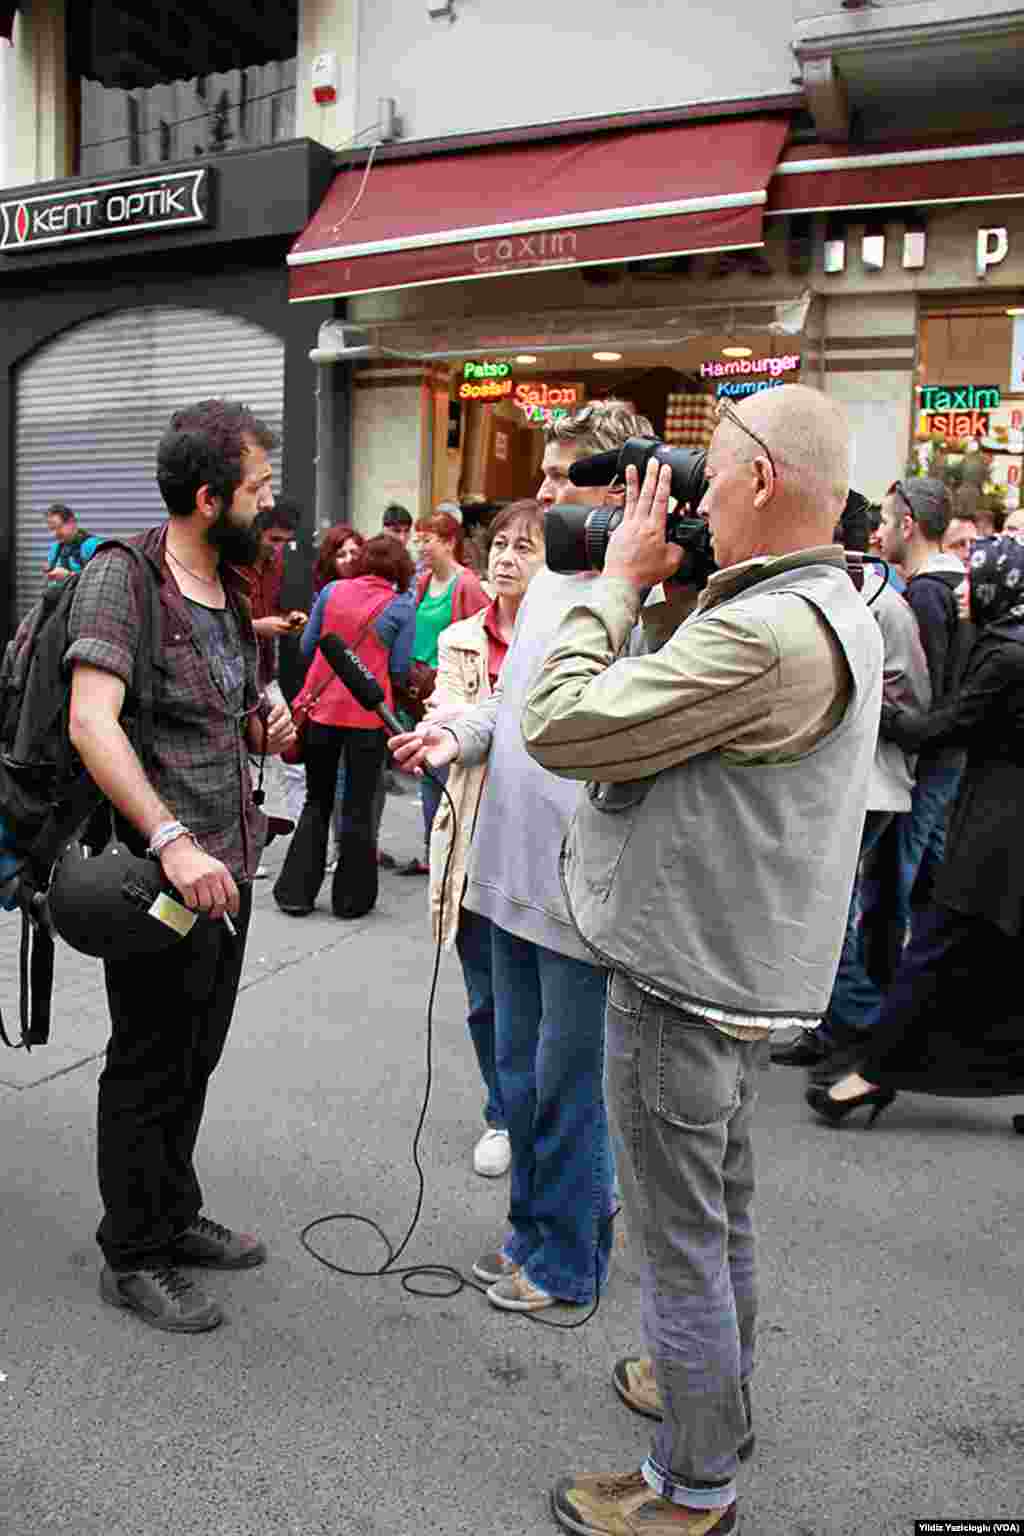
(576, 537)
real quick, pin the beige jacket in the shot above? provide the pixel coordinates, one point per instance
(463, 679)
(763, 681)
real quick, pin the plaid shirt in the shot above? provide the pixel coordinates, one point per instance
(199, 765)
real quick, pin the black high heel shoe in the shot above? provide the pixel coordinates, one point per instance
(836, 1110)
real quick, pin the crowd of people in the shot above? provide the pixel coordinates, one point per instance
(678, 825)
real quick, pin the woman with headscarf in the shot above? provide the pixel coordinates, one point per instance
(932, 1036)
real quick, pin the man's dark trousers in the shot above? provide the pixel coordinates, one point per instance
(170, 1015)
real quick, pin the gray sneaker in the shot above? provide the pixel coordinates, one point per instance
(162, 1296)
(492, 1267)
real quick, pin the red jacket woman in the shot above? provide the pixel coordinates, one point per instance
(372, 613)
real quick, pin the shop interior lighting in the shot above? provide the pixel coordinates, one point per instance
(525, 357)
(607, 357)
(737, 351)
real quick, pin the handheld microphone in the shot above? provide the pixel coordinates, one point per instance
(363, 686)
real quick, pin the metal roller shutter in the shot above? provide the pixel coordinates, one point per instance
(91, 406)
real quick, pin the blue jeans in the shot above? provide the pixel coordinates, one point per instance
(473, 942)
(681, 1096)
(549, 1038)
(914, 843)
(856, 1000)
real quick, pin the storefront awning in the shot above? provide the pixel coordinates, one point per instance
(586, 201)
(818, 179)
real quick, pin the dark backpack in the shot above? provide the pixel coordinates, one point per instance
(46, 796)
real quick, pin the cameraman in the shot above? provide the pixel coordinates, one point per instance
(709, 866)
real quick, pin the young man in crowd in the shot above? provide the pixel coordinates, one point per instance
(397, 521)
(709, 866)
(959, 537)
(277, 527)
(916, 515)
(856, 1002)
(70, 546)
(190, 806)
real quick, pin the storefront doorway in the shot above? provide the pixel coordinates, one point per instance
(499, 406)
(969, 419)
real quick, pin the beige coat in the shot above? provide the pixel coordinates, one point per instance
(462, 679)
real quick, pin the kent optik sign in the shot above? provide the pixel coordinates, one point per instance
(106, 209)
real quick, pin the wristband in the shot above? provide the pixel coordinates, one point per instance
(165, 835)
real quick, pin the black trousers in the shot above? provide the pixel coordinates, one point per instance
(948, 1026)
(169, 1017)
(354, 888)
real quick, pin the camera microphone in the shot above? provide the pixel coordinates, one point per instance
(598, 469)
(363, 686)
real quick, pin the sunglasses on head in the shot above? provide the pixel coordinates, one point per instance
(725, 412)
(896, 489)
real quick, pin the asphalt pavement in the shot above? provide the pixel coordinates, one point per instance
(890, 1374)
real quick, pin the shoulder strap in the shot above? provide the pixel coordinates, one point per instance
(354, 647)
(150, 643)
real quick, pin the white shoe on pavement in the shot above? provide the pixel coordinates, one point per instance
(492, 1153)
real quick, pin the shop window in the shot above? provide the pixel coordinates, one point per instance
(969, 407)
(183, 78)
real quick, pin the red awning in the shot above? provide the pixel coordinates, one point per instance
(821, 178)
(620, 196)
(7, 13)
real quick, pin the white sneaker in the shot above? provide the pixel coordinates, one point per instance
(492, 1153)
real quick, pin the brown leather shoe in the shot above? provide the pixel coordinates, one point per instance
(635, 1382)
(623, 1505)
(213, 1246)
(162, 1296)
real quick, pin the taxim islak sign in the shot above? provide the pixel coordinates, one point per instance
(958, 410)
(748, 375)
(106, 209)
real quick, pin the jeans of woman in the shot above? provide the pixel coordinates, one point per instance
(549, 1041)
(354, 887)
(473, 942)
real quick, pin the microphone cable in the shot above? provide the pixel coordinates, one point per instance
(423, 1280)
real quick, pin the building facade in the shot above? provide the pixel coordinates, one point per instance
(458, 221)
(152, 184)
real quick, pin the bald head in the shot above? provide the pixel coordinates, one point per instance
(795, 499)
(812, 436)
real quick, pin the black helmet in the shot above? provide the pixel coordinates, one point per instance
(102, 904)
